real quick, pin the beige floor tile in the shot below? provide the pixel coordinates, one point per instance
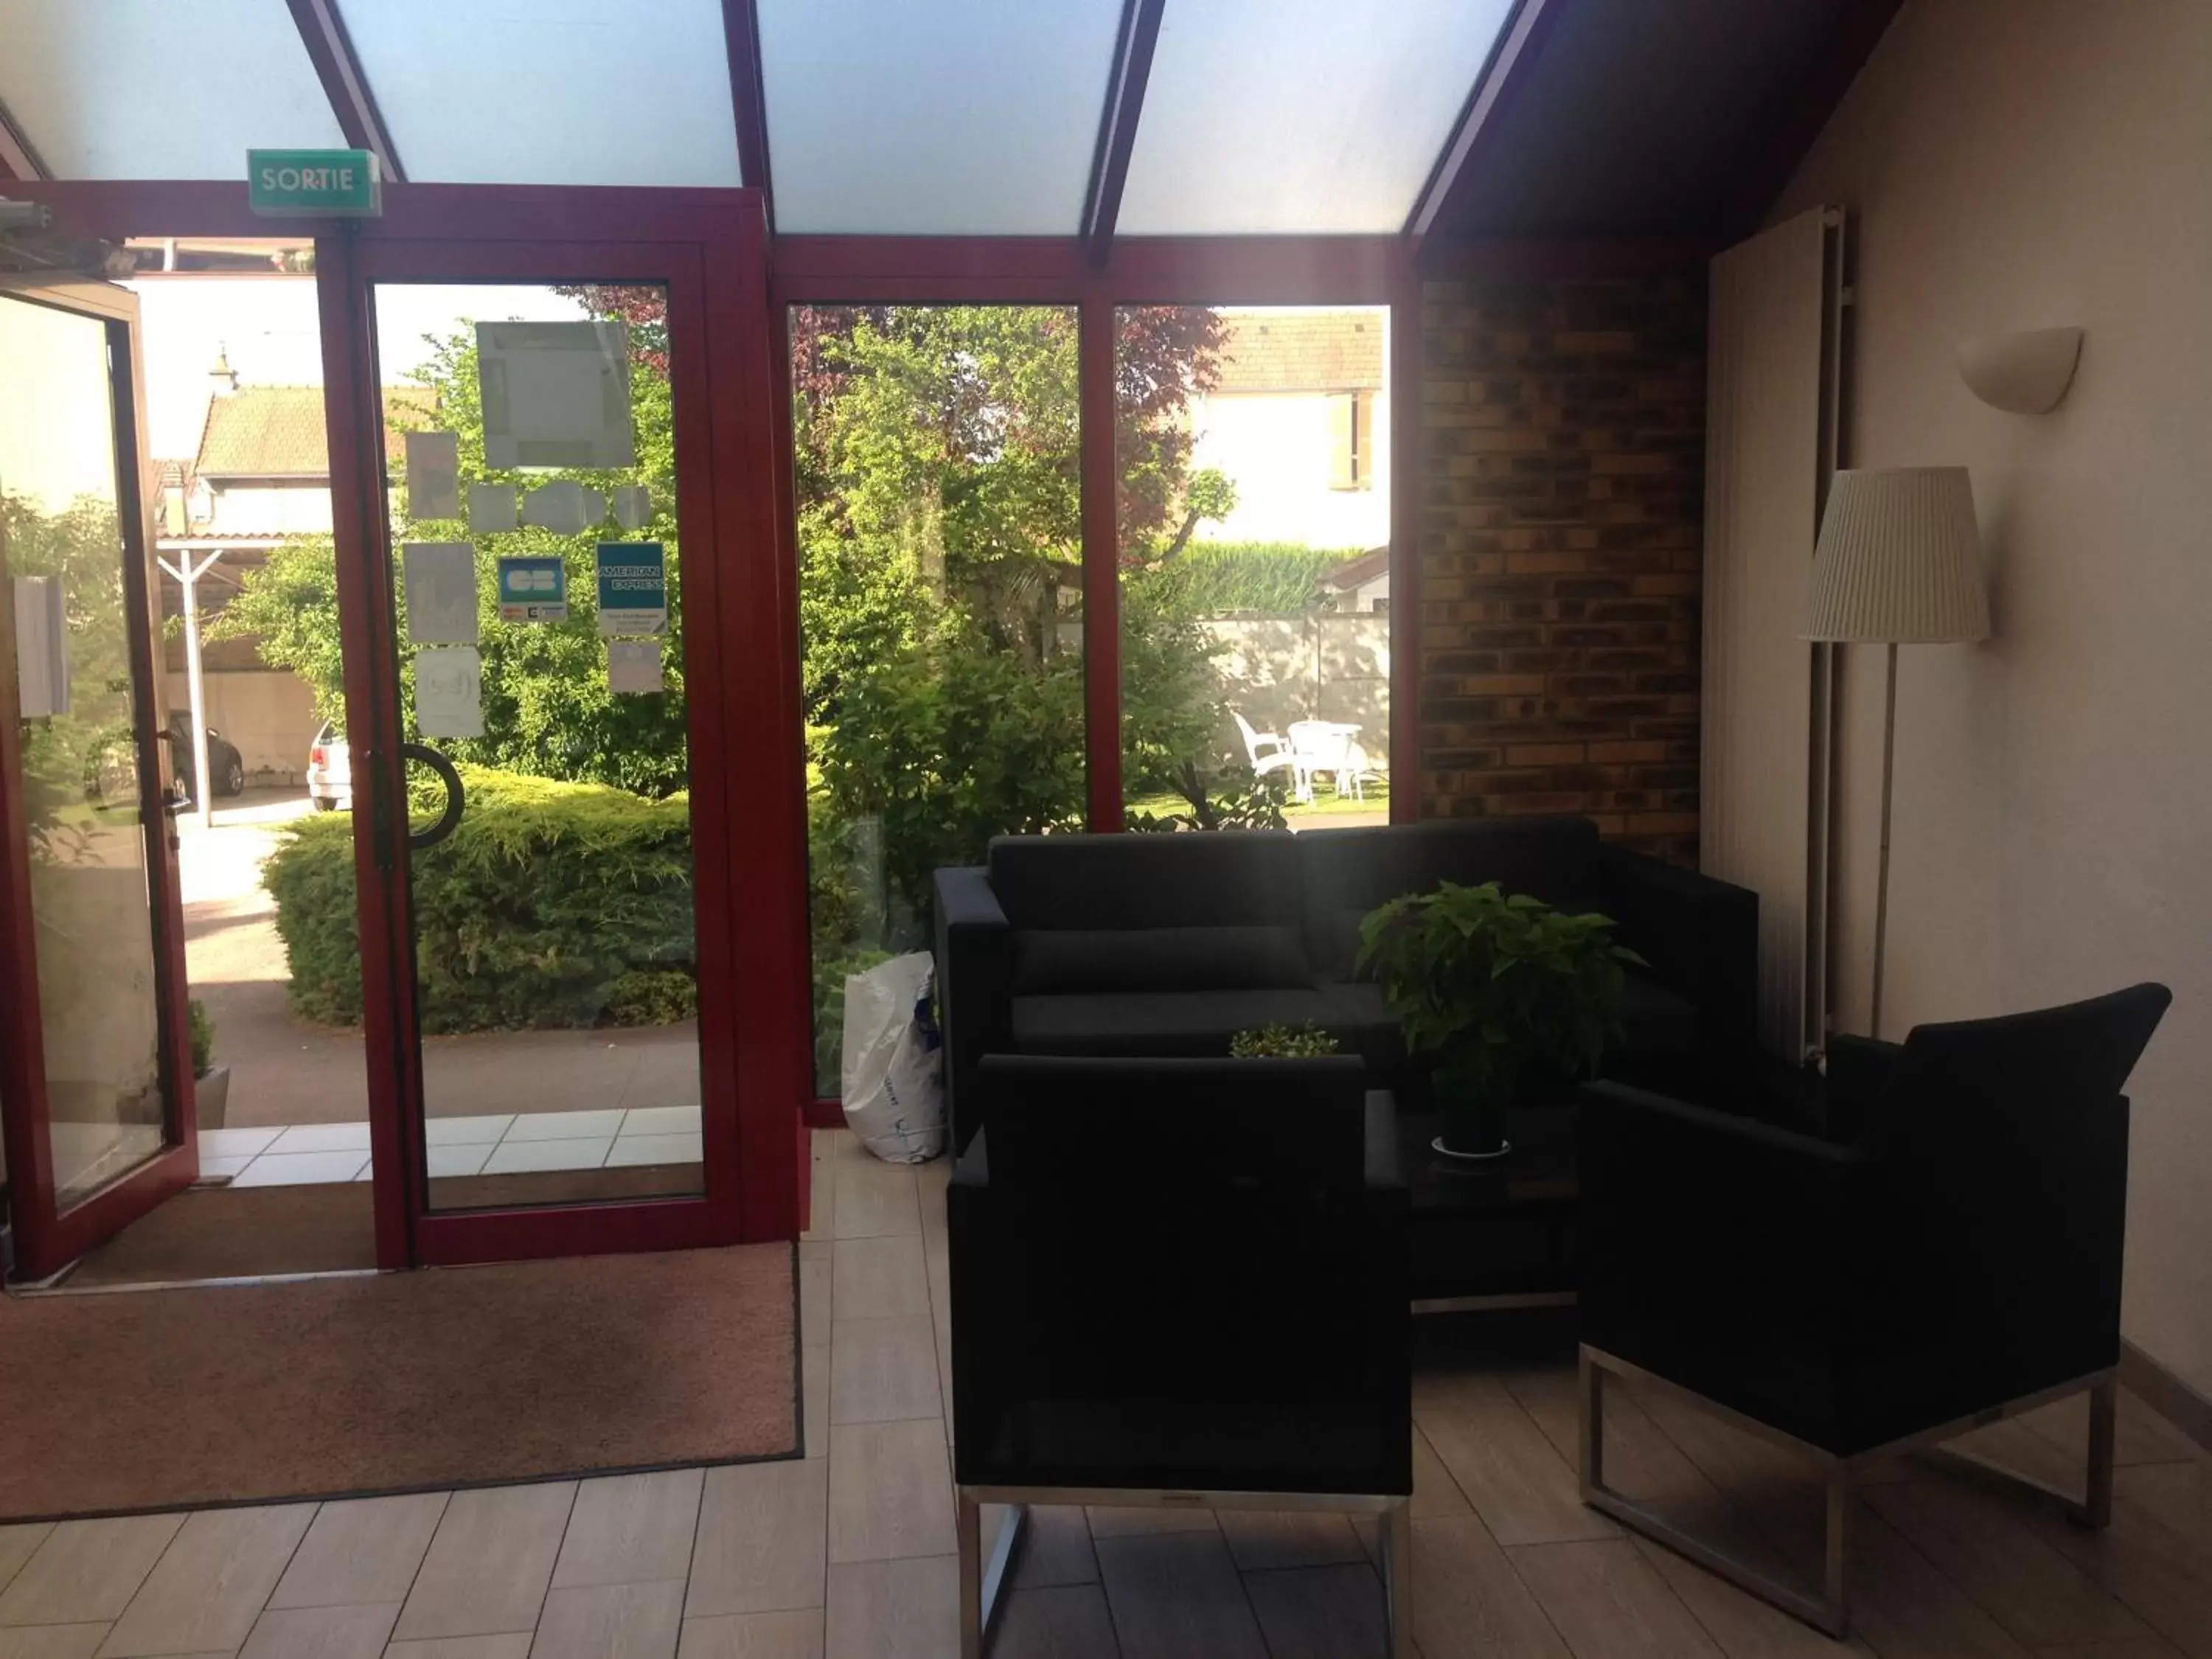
(1066, 1621)
(816, 1299)
(891, 1491)
(2140, 1435)
(1604, 1599)
(1518, 1483)
(1055, 1547)
(1263, 1540)
(1468, 1603)
(363, 1550)
(2178, 1495)
(814, 1397)
(1108, 1522)
(822, 1188)
(87, 1571)
(1906, 1609)
(489, 1563)
(1975, 1541)
(354, 1633)
(18, 1545)
(2143, 1647)
(879, 1278)
(875, 1200)
(211, 1582)
(52, 1641)
(630, 1530)
(611, 1621)
(1742, 1626)
(754, 1636)
(760, 1542)
(2164, 1575)
(1436, 1495)
(894, 1609)
(1177, 1596)
(514, 1645)
(882, 1370)
(1320, 1613)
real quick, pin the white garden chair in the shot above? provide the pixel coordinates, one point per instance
(1266, 750)
(1322, 746)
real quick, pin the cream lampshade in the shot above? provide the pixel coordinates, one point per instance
(1898, 562)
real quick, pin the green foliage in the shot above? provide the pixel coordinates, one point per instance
(1272, 579)
(1232, 799)
(831, 970)
(553, 904)
(202, 1029)
(1281, 1042)
(1488, 982)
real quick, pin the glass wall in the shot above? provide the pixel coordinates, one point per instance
(937, 481)
(1253, 530)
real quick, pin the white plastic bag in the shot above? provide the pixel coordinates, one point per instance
(894, 1091)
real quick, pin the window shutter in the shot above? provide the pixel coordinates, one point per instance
(1363, 440)
(1343, 442)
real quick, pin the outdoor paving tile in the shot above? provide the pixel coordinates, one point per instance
(361, 1550)
(86, 1569)
(211, 1582)
(521, 1157)
(464, 1158)
(467, 1130)
(236, 1143)
(661, 1120)
(565, 1126)
(222, 1168)
(630, 1530)
(300, 1168)
(321, 1138)
(631, 1150)
(346, 1632)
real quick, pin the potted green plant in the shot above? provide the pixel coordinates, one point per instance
(1281, 1042)
(1490, 986)
(210, 1082)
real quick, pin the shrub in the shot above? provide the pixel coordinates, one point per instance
(551, 905)
(1279, 1041)
(203, 1036)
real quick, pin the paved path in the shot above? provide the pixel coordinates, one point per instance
(285, 1070)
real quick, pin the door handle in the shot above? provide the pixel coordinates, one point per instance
(456, 796)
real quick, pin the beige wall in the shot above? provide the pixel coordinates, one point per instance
(270, 715)
(1279, 448)
(2013, 164)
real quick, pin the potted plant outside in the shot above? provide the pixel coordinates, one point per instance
(1281, 1042)
(1490, 986)
(210, 1082)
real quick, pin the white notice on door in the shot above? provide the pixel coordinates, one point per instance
(491, 508)
(633, 667)
(433, 475)
(449, 692)
(441, 593)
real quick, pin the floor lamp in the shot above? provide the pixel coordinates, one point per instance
(1898, 562)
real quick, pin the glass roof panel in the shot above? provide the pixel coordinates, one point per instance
(551, 91)
(149, 89)
(949, 117)
(1300, 115)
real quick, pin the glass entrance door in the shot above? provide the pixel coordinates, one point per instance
(547, 777)
(96, 1055)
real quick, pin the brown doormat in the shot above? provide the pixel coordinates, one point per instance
(157, 1400)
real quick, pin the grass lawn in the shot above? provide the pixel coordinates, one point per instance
(1324, 804)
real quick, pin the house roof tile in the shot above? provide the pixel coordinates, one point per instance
(1301, 351)
(276, 431)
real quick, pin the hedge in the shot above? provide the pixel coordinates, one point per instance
(1262, 578)
(551, 905)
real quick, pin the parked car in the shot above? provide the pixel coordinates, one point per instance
(329, 770)
(224, 762)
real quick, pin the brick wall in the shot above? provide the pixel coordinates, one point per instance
(1562, 518)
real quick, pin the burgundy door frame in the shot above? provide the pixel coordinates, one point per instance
(47, 1239)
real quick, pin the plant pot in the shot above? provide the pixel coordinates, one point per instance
(1473, 1113)
(211, 1096)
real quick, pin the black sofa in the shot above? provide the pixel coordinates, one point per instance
(1168, 944)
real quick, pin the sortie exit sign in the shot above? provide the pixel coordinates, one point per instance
(314, 184)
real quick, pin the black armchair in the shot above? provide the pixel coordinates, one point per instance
(1949, 1253)
(1180, 1282)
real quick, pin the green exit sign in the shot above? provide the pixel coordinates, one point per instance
(310, 184)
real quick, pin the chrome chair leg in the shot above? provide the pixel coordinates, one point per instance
(1397, 1564)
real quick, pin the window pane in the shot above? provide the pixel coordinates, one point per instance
(1254, 529)
(977, 119)
(149, 89)
(940, 585)
(557, 92)
(1300, 115)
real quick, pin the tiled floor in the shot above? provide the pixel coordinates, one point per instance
(849, 1553)
(505, 1143)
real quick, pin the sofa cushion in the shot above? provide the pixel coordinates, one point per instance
(1658, 1024)
(1224, 878)
(1163, 1023)
(1345, 873)
(1056, 961)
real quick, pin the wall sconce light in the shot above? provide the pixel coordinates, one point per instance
(2022, 374)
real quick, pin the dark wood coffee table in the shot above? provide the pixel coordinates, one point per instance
(1494, 1234)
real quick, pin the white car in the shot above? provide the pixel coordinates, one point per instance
(329, 770)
